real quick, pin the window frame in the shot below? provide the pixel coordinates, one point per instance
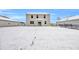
(31, 22)
(37, 16)
(45, 22)
(44, 16)
(31, 16)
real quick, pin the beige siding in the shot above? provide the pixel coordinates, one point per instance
(73, 22)
(39, 19)
(9, 23)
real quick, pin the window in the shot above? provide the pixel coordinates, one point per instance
(31, 22)
(36, 16)
(31, 16)
(8, 23)
(44, 16)
(45, 22)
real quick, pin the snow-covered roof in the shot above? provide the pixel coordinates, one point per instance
(6, 18)
(70, 18)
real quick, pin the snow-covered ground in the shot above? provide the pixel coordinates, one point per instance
(44, 38)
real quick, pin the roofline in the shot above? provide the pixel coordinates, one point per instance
(37, 13)
(69, 18)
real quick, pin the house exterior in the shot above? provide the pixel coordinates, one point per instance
(5, 21)
(69, 22)
(37, 19)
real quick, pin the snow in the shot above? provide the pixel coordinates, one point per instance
(70, 18)
(38, 38)
(7, 19)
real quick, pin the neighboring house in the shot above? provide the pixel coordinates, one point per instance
(70, 22)
(5, 21)
(38, 19)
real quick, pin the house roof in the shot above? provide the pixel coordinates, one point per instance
(6, 18)
(37, 13)
(70, 18)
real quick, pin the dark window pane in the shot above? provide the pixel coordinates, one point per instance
(31, 22)
(37, 16)
(31, 16)
(45, 22)
(44, 16)
(8, 23)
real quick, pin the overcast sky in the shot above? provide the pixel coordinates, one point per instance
(20, 14)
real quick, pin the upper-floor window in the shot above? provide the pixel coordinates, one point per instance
(31, 16)
(36, 16)
(44, 16)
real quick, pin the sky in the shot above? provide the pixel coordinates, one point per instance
(20, 14)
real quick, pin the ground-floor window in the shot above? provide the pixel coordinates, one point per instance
(8, 23)
(45, 22)
(31, 22)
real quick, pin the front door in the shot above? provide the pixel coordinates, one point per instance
(39, 23)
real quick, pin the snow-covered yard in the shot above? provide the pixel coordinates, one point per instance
(45, 38)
